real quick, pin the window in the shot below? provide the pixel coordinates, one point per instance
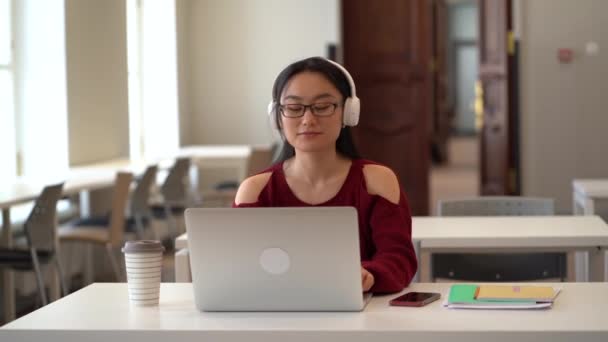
(32, 93)
(152, 65)
(40, 92)
(8, 171)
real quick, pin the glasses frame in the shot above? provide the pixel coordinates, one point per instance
(310, 107)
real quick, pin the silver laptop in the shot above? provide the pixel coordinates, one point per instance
(275, 259)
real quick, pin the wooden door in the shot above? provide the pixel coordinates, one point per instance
(442, 109)
(387, 48)
(494, 99)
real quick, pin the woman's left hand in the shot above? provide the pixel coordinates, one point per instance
(367, 279)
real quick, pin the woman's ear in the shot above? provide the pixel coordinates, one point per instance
(278, 122)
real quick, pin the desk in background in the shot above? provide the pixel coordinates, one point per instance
(488, 234)
(496, 234)
(79, 181)
(85, 178)
(219, 157)
(590, 196)
(101, 312)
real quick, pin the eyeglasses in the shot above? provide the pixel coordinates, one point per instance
(298, 110)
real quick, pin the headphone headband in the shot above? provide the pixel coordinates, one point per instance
(352, 104)
(349, 78)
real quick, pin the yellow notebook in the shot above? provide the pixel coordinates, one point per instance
(516, 293)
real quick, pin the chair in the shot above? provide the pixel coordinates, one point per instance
(113, 233)
(141, 212)
(41, 232)
(175, 192)
(497, 206)
(498, 267)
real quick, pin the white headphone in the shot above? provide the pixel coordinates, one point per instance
(352, 104)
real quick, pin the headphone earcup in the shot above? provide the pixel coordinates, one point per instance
(352, 107)
(270, 111)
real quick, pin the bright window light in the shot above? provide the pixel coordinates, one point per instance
(7, 128)
(41, 90)
(8, 150)
(153, 107)
(5, 32)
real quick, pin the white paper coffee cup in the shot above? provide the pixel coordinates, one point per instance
(143, 261)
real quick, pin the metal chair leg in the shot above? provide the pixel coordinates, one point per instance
(171, 222)
(64, 286)
(114, 262)
(154, 227)
(39, 278)
(89, 274)
(69, 267)
(139, 226)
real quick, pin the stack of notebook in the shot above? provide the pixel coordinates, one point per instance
(469, 296)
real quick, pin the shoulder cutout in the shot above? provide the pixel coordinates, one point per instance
(250, 188)
(382, 181)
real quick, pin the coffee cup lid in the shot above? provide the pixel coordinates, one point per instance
(143, 246)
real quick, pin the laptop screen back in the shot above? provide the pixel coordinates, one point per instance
(275, 259)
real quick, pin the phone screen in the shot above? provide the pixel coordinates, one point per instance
(415, 299)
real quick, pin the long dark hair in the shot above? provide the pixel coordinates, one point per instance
(344, 143)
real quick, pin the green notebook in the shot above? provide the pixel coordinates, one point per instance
(462, 293)
(465, 294)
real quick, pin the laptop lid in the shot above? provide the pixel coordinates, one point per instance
(275, 259)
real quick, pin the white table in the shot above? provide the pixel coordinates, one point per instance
(488, 234)
(590, 196)
(219, 157)
(101, 312)
(515, 234)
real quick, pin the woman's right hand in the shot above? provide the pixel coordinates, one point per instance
(367, 279)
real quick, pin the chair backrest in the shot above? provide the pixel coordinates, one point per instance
(120, 196)
(141, 195)
(260, 158)
(497, 206)
(175, 186)
(40, 225)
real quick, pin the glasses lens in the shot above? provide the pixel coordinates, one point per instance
(293, 110)
(323, 109)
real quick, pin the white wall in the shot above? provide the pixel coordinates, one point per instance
(236, 49)
(40, 86)
(564, 115)
(182, 8)
(96, 48)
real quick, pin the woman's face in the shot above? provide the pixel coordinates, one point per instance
(310, 132)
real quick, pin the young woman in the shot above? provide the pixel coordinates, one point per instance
(314, 102)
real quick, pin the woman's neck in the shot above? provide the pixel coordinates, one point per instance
(316, 167)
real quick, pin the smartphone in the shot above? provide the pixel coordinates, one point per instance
(415, 299)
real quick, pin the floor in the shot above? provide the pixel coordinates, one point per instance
(460, 176)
